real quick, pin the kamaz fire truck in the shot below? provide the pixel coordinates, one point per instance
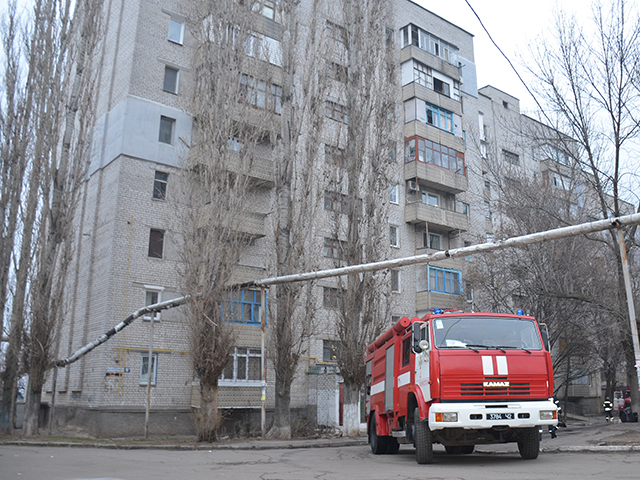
(459, 379)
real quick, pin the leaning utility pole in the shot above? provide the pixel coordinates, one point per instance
(514, 242)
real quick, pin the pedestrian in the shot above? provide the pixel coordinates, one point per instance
(608, 409)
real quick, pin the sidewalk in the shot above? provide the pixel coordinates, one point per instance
(580, 435)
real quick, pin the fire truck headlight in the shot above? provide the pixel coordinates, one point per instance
(548, 415)
(446, 417)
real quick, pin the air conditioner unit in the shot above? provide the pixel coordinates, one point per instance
(412, 186)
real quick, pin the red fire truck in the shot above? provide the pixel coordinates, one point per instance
(459, 379)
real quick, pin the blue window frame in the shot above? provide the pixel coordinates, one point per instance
(444, 280)
(440, 118)
(245, 306)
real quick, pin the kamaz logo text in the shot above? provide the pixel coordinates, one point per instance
(495, 384)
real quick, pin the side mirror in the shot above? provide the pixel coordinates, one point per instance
(545, 336)
(419, 337)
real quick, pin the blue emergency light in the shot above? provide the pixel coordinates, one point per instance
(520, 312)
(437, 311)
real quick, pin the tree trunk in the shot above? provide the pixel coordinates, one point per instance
(281, 428)
(207, 419)
(351, 409)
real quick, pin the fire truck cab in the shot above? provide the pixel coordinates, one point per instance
(459, 379)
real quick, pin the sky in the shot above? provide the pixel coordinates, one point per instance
(513, 24)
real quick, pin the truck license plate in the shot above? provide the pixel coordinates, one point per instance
(499, 416)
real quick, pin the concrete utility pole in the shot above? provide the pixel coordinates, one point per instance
(521, 241)
(630, 305)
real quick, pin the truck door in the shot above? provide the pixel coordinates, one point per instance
(389, 378)
(422, 377)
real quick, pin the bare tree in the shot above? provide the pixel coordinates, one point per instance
(588, 79)
(235, 103)
(47, 114)
(295, 197)
(361, 230)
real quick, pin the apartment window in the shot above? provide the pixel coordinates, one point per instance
(260, 94)
(334, 248)
(235, 144)
(336, 111)
(559, 181)
(441, 87)
(167, 126)
(151, 297)
(439, 117)
(393, 194)
(394, 236)
(331, 297)
(487, 210)
(434, 153)
(487, 185)
(264, 48)
(435, 241)
(444, 280)
(244, 365)
(170, 79)
(156, 243)
(337, 72)
(335, 202)
(412, 35)
(510, 157)
(243, 306)
(330, 351)
(334, 155)
(337, 32)
(395, 280)
(160, 186)
(422, 74)
(176, 31)
(265, 8)
(465, 208)
(144, 369)
(431, 199)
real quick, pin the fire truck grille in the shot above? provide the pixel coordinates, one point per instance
(493, 387)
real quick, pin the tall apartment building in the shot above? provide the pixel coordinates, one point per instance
(128, 242)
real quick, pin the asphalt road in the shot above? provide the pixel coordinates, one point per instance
(353, 462)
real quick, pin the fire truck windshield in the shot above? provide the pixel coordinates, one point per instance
(474, 333)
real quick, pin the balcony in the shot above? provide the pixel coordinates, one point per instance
(435, 216)
(247, 224)
(259, 169)
(430, 300)
(246, 274)
(436, 177)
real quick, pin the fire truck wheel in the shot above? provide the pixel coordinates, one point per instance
(453, 449)
(529, 443)
(468, 449)
(378, 444)
(392, 446)
(424, 444)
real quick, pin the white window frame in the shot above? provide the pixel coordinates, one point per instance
(244, 352)
(170, 121)
(427, 196)
(144, 360)
(173, 21)
(394, 194)
(164, 81)
(396, 229)
(148, 291)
